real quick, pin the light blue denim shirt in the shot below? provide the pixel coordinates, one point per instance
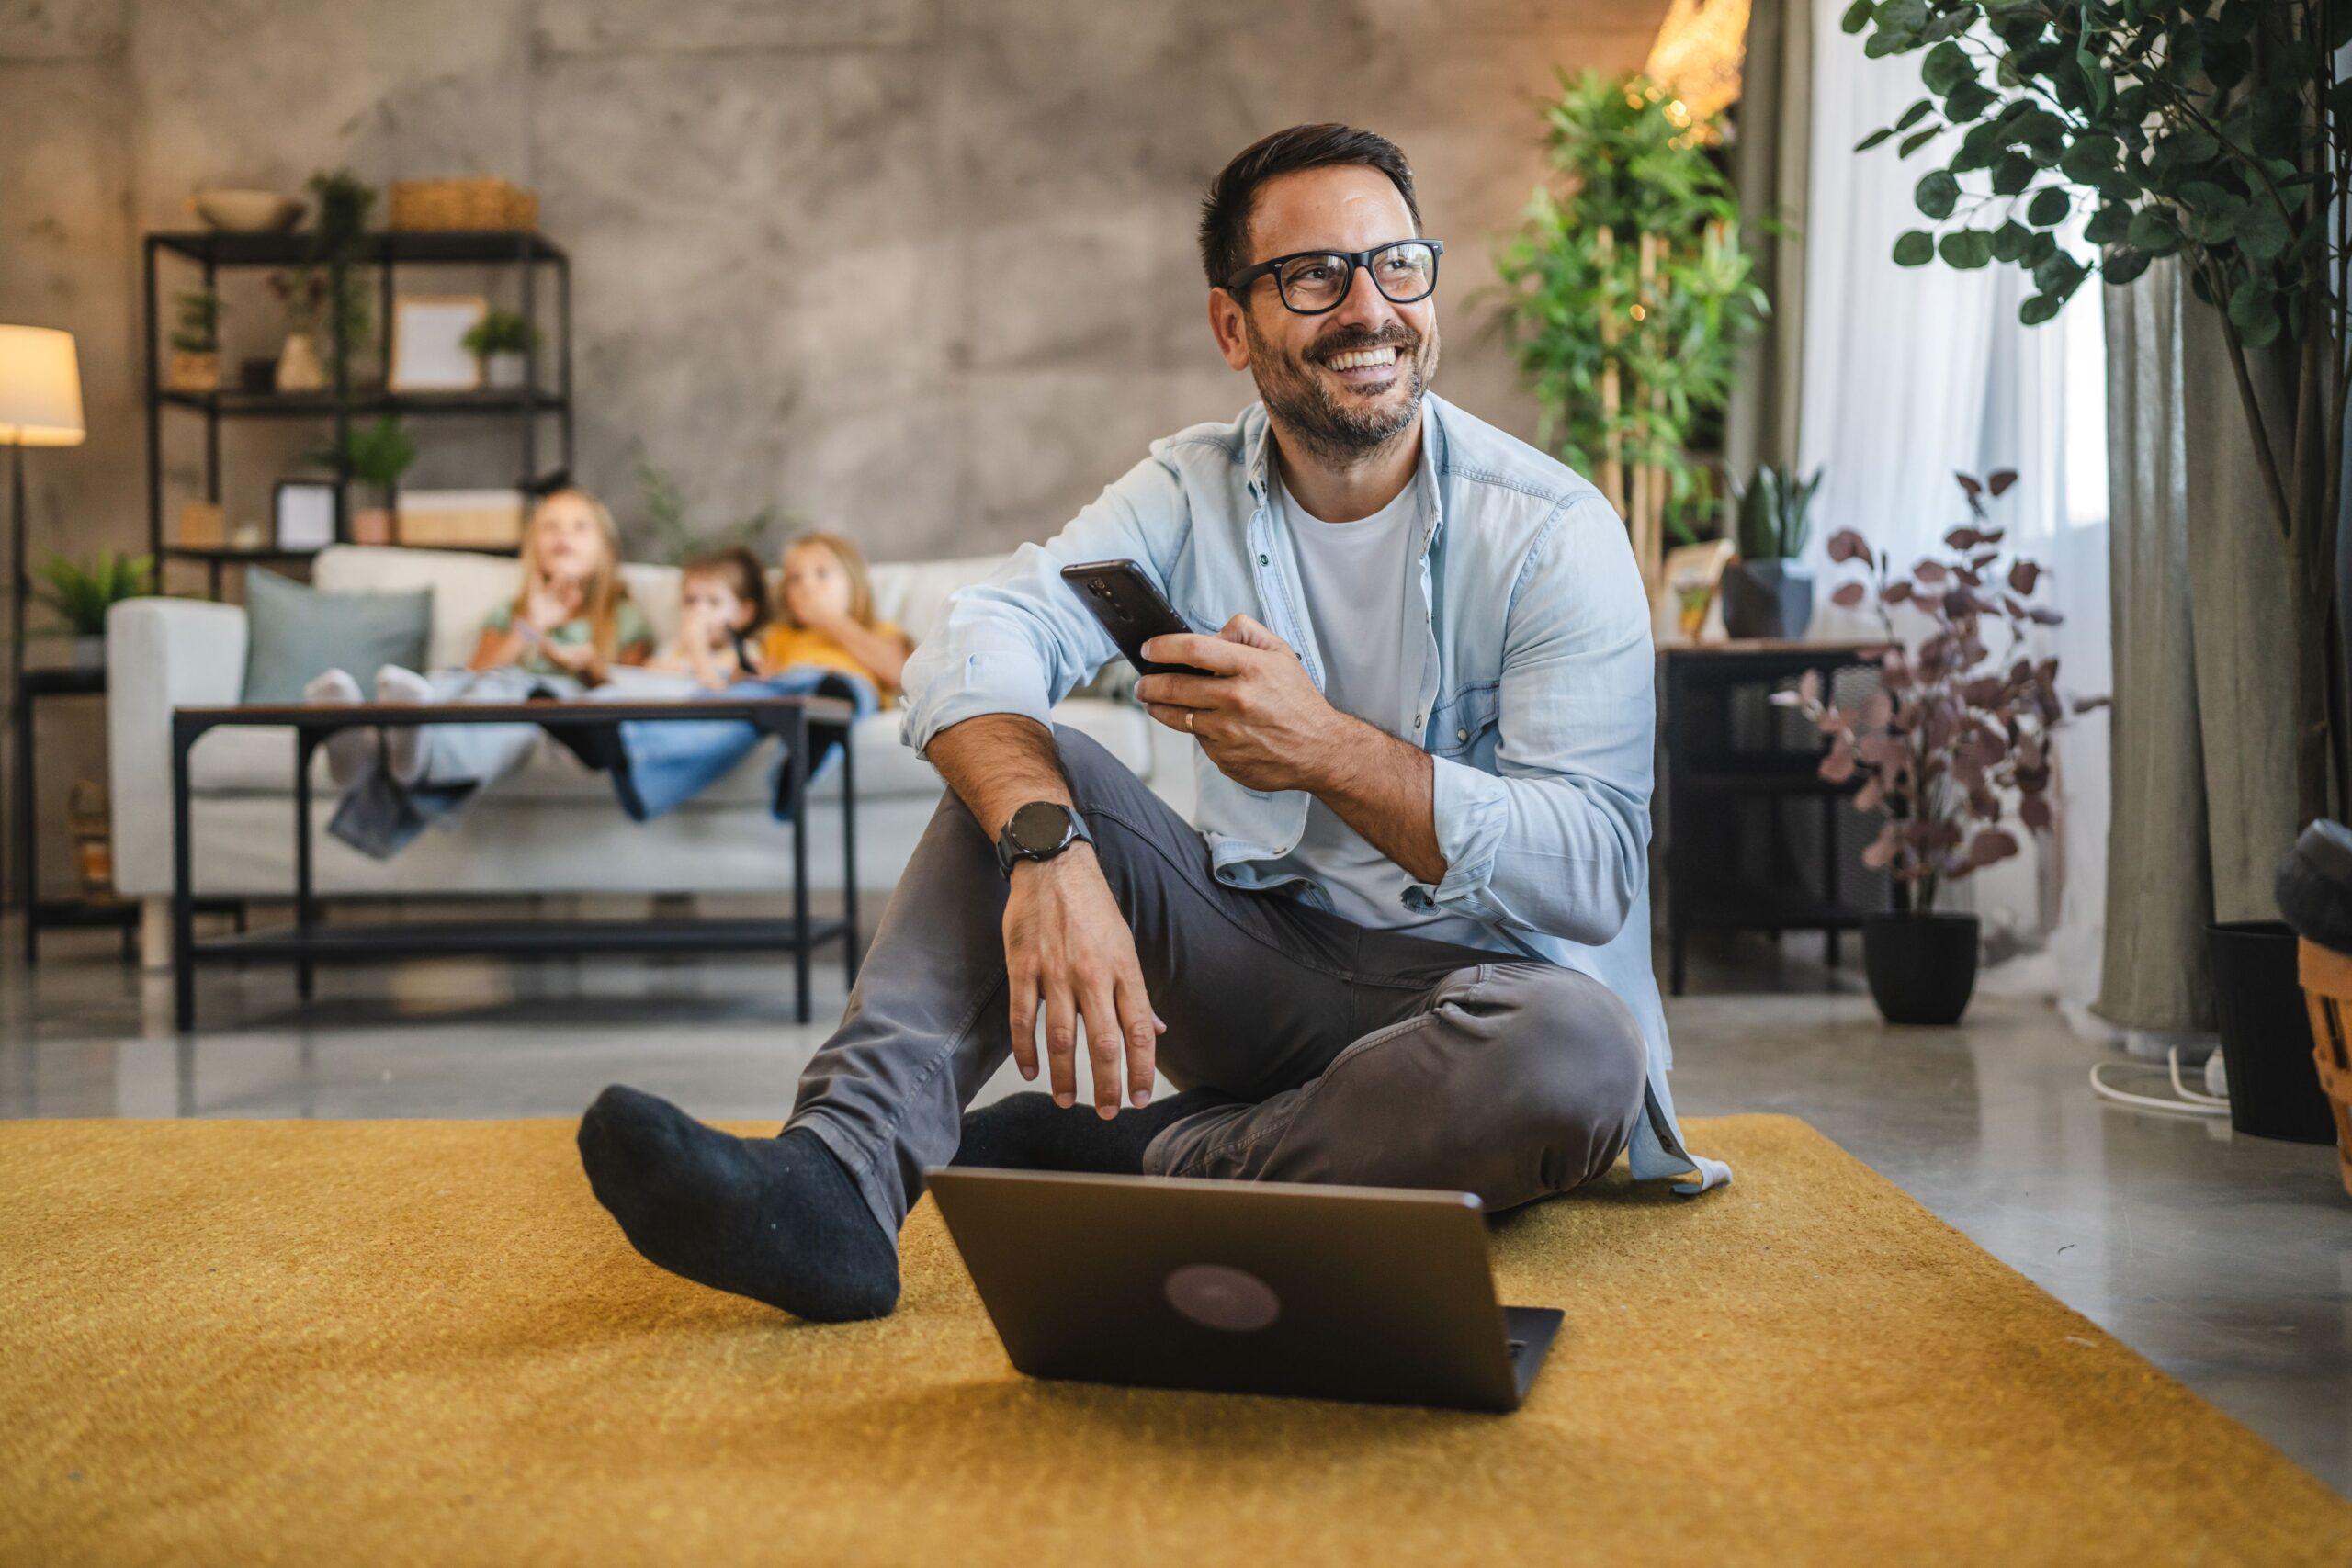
(1531, 686)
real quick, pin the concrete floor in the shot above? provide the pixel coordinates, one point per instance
(2226, 1261)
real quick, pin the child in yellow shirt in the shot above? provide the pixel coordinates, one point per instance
(828, 617)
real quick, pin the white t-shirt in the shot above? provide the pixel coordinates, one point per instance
(1359, 585)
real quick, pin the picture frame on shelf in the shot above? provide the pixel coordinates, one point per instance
(429, 352)
(302, 514)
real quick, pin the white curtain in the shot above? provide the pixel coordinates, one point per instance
(1915, 374)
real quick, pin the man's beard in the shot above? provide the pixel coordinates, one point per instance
(1342, 433)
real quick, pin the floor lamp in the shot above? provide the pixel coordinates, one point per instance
(40, 405)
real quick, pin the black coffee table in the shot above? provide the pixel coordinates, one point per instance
(804, 725)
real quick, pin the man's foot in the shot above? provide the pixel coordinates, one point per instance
(350, 752)
(1029, 1132)
(403, 743)
(776, 1219)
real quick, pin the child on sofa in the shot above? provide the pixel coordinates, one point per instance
(722, 611)
(569, 625)
(827, 642)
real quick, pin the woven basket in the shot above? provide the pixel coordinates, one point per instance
(474, 201)
(2327, 976)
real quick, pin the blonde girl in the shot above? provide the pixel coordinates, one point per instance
(570, 623)
(827, 617)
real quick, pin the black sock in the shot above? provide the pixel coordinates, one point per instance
(1029, 1132)
(776, 1219)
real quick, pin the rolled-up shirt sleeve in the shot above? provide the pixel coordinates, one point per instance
(1556, 840)
(1021, 641)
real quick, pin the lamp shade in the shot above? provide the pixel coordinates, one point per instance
(40, 387)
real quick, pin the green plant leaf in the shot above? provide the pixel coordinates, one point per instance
(1946, 67)
(2107, 225)
(1937, 195)
(2262, 233)
(2153, 230)
(1873, 139)
(1966, 249)
(2012, 171)
(1915, 114)
(2038, 309)
(1915, 248)
(2048, 208)
(1917, 140)
(2121, 265)
(1857, 16)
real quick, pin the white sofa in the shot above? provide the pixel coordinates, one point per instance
(554, 828)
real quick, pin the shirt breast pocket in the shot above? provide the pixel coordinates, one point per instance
(1467, 719)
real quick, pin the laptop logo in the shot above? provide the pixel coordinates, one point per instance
(1216, 1296)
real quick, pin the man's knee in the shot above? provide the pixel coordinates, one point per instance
(1579, 1066)
(1088, 765)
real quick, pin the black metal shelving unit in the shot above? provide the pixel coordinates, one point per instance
(1754, 838)
(529, 407)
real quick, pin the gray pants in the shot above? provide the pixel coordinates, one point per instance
(1349, 1054)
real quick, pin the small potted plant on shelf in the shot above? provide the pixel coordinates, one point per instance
(1767, 592)
(500, 341)
(79, 596)
(196, 343)
(304, 296)
(1953, 734)
(373, 456)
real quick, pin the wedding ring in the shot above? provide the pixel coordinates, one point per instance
(1188, 721)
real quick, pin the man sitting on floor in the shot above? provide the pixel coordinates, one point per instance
(1408, 947)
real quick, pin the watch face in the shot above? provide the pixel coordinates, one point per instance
(1039, 828)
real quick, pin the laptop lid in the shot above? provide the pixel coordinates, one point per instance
(1334, 1293)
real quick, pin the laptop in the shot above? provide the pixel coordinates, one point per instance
(1362, 1293)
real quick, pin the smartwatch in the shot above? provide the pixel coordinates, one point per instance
(1039, 830)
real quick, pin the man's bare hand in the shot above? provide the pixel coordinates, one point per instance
(1257, 713)
(1067, 946)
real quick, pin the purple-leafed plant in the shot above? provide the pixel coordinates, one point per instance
(1955, 729)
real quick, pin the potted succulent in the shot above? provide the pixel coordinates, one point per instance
(79, 596)
(373, 456)
(500, 341)
(196, 343)
(1954, 732)
(1767, 592)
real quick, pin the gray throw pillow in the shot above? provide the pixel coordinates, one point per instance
(295, 633)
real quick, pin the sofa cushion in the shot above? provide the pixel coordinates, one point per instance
(235, 760)
(295, 632)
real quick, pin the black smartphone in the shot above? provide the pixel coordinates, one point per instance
(1131, 609)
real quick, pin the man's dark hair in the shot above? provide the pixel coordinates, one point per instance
(1225, 214)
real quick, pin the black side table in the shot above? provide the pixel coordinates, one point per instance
(40, 912)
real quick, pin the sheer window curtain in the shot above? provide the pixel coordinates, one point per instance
(1913, 374)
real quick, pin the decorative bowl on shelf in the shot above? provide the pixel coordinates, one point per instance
(247, 211)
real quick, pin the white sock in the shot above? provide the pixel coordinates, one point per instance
(403, 743)
(350, 752)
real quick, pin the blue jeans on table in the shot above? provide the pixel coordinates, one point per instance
(666, 762)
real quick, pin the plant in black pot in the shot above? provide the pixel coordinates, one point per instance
(1767, 592)
(1954, 734)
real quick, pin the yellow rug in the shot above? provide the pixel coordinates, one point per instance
(366, 1342)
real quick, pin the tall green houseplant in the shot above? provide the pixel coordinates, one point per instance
(1626, 295)
(2218, 133)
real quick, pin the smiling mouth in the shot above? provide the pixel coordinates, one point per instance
(1363, 359)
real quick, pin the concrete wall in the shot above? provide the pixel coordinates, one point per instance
(919, 269)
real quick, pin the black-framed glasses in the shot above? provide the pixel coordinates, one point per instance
(1312, 282)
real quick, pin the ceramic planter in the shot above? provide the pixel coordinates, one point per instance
(300, 369)
(2267, 1034)
(371, 525)
(1922, 967)
(88, 652)
(502, 372)
(1771, 598)
(193, 372)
